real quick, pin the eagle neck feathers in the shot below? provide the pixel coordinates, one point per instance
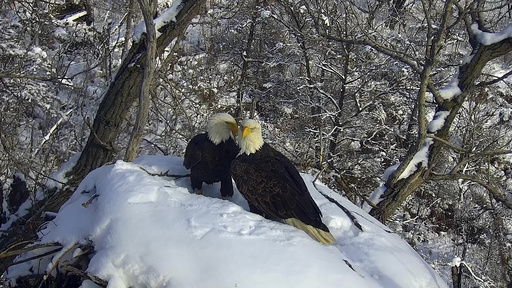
(250, 144)
(251, 141)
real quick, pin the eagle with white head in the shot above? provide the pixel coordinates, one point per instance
(209, 155)
(273, 186)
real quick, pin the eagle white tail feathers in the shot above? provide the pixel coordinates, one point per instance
(315, 233)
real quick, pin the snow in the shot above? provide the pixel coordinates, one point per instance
(456, 261)
(20, 176)
(390, 170)
(53, 181)
(420, 158)
(265, 14)
(326, 20)
(169, 15)
(374, 197)
(438, 121)
(487, 38)
(57, 178)
(150, 231)
(377, 193)
(451, 90)
(71, 19)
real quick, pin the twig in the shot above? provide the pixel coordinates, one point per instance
(97, 138)
(417, 216)
(369, 220)
(339, 180)
(156, 146)
(498, 79)
(491, 188)
(57, 261)
(165, 174)
(49, 134)
(460, 149)
(9, 252)
(36, 257)
(97, 280)
(349, 265)
(86, 250)
(67, 265)
(86, 204)
(472, 273)
(318, 175)
(354, 191)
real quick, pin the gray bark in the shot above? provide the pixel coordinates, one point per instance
(112, 112)
(147, 79)
(398, 190)
(122, 94)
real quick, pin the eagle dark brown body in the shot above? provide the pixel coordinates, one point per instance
(210, 163)
(273, 187)
(209, 155)
(271, 183)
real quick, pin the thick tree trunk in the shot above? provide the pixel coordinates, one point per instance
(456, 276)
(2, 214)
(398, 187)
(112, 112)
(122, 93)
(18, 194)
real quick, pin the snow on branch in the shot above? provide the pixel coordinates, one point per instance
(167, 16)
(451, 90)
(438, 121)
(53, 129)
(458, 262)
(420, 158)
(486, 38)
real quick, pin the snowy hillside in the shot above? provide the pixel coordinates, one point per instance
(149, 231)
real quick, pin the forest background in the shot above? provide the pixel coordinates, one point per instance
(404, 107)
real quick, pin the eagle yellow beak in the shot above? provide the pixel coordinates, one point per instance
(234, 128)
(246, 132)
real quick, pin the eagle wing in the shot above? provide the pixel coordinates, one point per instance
(201, 150)
(269, 181)
(193, 152)
(210, 163)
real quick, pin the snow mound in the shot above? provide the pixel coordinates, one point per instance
(150, 231)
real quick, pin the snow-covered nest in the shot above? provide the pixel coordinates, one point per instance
(150, 231)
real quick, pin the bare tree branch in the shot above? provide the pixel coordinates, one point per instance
(491, 188)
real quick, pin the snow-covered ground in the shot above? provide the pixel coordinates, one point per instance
(150, 231)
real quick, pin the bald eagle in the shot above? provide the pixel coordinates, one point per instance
(273, 186)
(209, 155)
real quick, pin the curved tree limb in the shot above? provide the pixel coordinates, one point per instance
(488, 186)
(398, 189)
(147, 79)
